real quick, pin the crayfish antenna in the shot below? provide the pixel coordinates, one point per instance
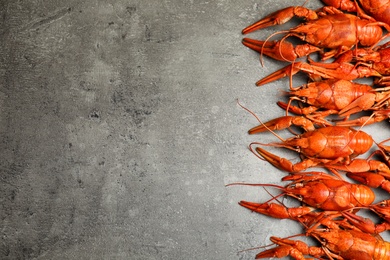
(266, 40)
(255, 248)
(256, 184)
(261, 122)
(254, 152)
(280, 51)
(305, 3)
(384, 141)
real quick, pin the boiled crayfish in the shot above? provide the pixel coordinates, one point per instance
(324, 146)
(336, 243)
(351, 65)
(378, 9)
(335, 96)
(318, 71)
(317, 190)
(322, 30)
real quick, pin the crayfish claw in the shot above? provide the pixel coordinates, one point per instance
(279, 252)
(295, 248)
(278, 17)
(257, 207)
(281, 17)
(276, 210)
(283, 123)
(280, 50)
(283, 51)
(289, 70)
(278, 162)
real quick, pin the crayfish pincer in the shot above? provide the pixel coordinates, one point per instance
(324, 146)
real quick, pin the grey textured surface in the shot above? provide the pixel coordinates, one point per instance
(119, 129)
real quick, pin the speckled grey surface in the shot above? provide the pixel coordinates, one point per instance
(119, 129)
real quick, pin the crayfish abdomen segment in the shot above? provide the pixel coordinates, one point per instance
(360, 195)
(382, 250)
(368, 33)
(361, 142)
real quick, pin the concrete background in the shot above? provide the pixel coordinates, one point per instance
(119, 129)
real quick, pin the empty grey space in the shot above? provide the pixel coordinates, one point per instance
(119, 129)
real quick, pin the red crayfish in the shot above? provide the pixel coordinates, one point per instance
(324, 146)
(337, 242)
(328, 28)
(378, 9)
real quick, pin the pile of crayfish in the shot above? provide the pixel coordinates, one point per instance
(346, 37)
